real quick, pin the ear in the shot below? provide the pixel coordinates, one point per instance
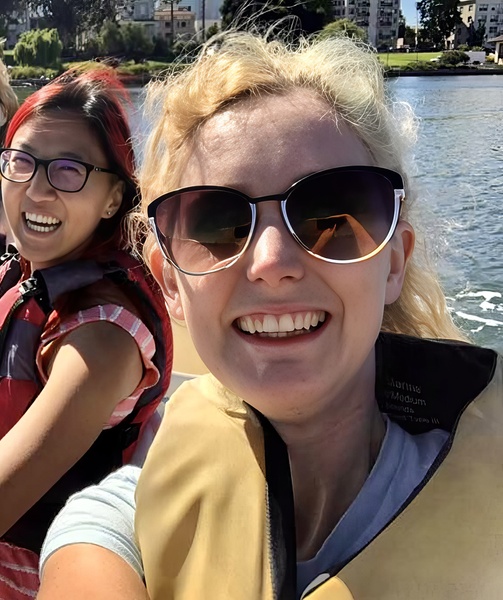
(115, 199)
(165, 276)
(402, 245)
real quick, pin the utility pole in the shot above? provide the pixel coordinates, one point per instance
(417, 30)
(203, 15)
(172, 24)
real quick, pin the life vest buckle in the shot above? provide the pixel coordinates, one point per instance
(29, 287)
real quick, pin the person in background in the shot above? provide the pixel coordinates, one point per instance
(85, 340)
(8, 106)
(8, 100)
(340, 446)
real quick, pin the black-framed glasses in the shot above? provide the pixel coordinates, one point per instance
(342, 215)
(64, 174)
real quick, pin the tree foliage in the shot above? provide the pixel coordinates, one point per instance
(110, 40)
(439, 18)
(69, 17)
(136, 43)
(39, 47)
(453, 58)
(343, 26)
(312, 14)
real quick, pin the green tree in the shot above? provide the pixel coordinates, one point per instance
(136, 43)
(110, 39)
(39, 47)
(212, 30)
(61, 15)
(312, 14)
(409, 36)
(439, 18)
(343, 26)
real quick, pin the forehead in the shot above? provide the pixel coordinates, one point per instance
(271, 140)
(51, 133)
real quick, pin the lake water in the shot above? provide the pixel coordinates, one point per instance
(459, 166)
(459, 172)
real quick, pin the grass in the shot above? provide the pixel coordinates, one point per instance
(400, 59)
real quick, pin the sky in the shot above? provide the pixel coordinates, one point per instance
(409, 11)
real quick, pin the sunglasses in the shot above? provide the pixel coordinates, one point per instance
(64, 174)
(342, 215)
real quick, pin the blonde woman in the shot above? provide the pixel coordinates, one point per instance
(334, 451)
(8, 100)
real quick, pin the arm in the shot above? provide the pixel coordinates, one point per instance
(84, 571)
(93, 368)
(94, 533)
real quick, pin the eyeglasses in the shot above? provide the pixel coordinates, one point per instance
(64, 174)
(342, 215)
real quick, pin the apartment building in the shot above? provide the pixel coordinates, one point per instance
(379, 18)
(475, 14)
(155, 16)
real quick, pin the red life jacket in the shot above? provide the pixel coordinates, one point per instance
(26, 309)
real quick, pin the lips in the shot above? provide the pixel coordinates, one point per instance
(285, 325)
(41, 223)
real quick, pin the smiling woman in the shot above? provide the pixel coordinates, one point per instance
(85, 343)
(334, 451)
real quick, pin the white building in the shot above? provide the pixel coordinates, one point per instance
(474, 13)
(207, 9)
(379, 18)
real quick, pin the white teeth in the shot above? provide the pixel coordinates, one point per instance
(39, 228)
(286, 323)
(43, 219)
(250, 324)
(282, 325)
(271, 324)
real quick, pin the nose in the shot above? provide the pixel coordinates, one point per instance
(39, 188)
(274, 257)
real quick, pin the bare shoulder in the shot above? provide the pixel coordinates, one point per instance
(66, 575)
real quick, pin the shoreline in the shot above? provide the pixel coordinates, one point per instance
(441, 72)
(144, 79)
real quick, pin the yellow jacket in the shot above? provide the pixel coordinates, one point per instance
(215, 518)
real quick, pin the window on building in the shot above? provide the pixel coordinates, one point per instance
(184, 24)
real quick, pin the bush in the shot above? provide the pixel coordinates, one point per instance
(451, 58)
(27, 72)
(420, 65)
(39, 47)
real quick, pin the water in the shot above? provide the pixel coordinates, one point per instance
(459, 172)
(459, 165)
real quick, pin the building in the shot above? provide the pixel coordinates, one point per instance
(379, 18)
(184, 21)
(480, 20)
(155, 16)
(207, 10)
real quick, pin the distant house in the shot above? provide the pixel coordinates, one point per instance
(498, 52)
(184, 22)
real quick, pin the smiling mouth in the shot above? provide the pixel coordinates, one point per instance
(282, 326)
(41, 223)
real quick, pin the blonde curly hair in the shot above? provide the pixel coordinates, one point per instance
(8, 99)
(348, 77)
